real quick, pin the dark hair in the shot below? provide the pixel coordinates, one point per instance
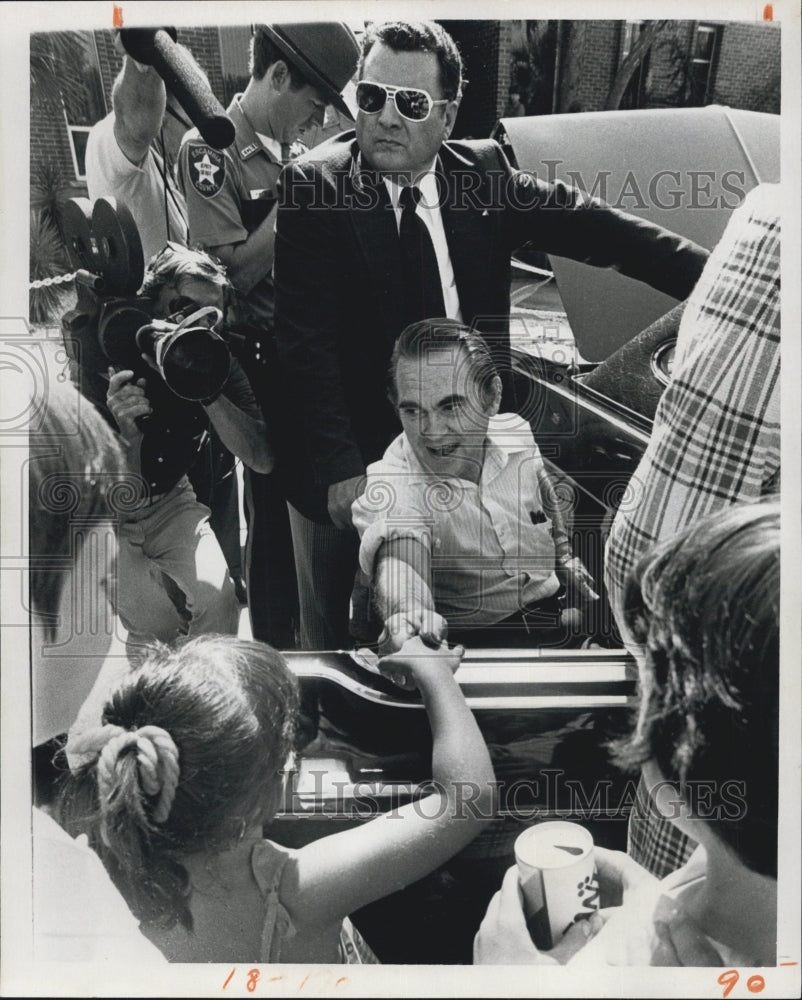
(426, 335)
(418, 36)
(264, 52)
(174, 262)
(704, 606)
(75, 471)
(229, 707)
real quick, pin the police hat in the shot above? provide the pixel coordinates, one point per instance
(326, 52)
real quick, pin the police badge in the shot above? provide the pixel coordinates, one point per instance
(207, 169)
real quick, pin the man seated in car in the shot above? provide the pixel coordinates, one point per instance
(460, 525)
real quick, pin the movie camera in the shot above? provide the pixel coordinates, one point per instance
(112, 326)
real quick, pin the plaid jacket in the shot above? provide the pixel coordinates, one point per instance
(716, 436)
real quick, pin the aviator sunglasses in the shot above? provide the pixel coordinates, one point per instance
(413, 104)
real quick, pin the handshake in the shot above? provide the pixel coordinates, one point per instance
(412, 664)
(402, 626)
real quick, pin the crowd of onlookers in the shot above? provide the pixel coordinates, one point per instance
(392, 495)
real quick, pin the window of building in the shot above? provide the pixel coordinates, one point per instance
(629, 36)
(79, 136)
(704, 51)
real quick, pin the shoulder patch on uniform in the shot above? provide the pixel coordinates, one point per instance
(207, 169)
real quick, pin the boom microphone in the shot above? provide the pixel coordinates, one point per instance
(156, 47)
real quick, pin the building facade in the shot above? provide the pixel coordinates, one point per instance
(687, 64)
(58, 127)
(555, 67)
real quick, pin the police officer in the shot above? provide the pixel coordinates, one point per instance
(296, 70)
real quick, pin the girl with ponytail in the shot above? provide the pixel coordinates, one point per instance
(175, 787)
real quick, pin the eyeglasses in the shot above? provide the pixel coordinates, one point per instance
(413, 104)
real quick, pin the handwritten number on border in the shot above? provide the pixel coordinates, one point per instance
(729, 978)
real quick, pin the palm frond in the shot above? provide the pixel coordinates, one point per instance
(55, 58)
(47, 259)
(48, 191)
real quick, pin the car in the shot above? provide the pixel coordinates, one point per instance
(591, 355)
(590, 398)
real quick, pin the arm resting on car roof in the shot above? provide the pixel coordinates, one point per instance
(563, 220)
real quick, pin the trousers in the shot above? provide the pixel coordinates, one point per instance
(214, 479)
(172, 576)
(326, 561)
(269, 563)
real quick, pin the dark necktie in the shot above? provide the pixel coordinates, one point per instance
(423, 290)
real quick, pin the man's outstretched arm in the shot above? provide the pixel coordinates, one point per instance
(403, 593)
(563, 220)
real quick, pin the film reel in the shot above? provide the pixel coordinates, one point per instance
(103, 238)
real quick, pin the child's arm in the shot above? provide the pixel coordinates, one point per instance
(335, 876)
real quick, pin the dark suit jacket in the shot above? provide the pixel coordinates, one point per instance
(339, 296)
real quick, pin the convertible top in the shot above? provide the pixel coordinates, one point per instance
(683, 168)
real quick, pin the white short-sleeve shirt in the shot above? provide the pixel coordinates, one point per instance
(491, 542)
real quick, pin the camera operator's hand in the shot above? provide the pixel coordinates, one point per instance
(127, 401)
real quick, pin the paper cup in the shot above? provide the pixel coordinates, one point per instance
(558, 878)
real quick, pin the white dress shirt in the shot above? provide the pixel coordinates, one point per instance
(493, 544)
(429, 210)
(78, 913)
(273, 146)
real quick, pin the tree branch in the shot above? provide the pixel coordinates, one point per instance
(631, 63)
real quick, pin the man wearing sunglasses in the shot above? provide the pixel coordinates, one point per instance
(348, 280)
(296, 70)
